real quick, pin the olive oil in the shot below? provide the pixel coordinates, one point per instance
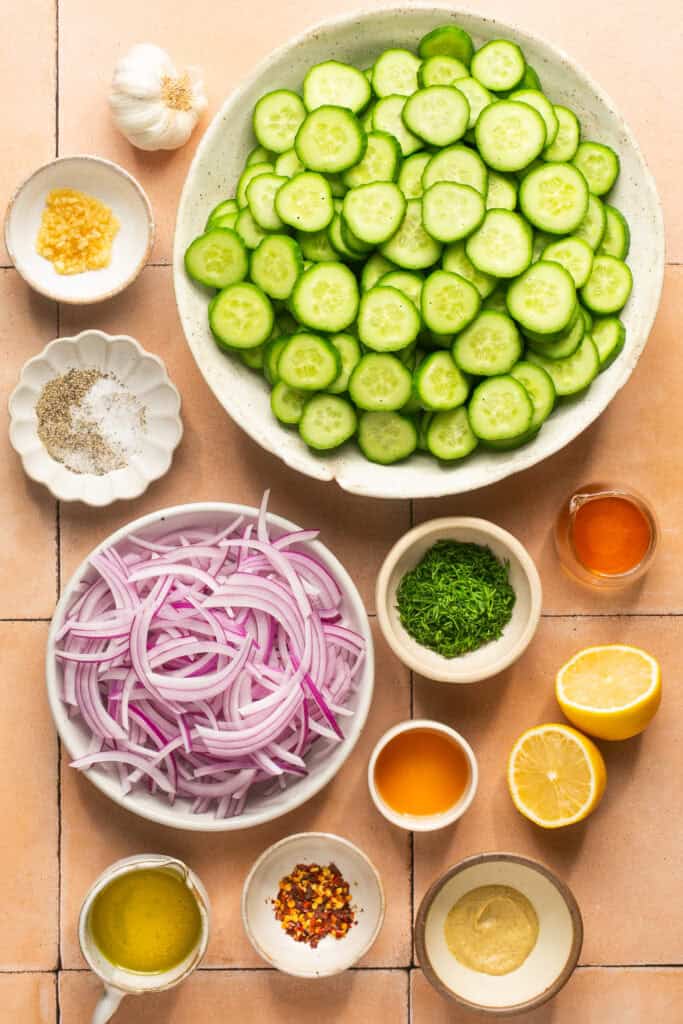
(146, 921)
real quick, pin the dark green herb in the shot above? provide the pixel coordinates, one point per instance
(456, 599)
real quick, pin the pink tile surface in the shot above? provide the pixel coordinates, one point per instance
(28, 998)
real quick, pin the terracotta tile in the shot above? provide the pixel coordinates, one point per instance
(216, 460)
(593, 996)
(28, 800)
(27, 85)
(28, 998)
(620, 860)
(28, 555)
(631, 442)
(260, 996)
(222, 861)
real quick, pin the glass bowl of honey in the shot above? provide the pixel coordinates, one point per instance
(606, 535)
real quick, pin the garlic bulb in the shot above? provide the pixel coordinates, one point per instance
(153, 105)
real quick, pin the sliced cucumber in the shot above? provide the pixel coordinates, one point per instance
(327, 422)
(543, 299)
(477, 98)
(509, 135)
(305, 202)
(535, 98)
(349, 353)
(375, 268)
(592, 227)
(220, 209)
(501, 193)
(608, 334)
(456, 260)
(447, 41)
(449, 436)
(498, 65)
(441, 70)
(410, 175)
(288, 164)
(530, 79)
(260, 155)
(374, 212)
(554, 198)
(387, 320)
(325, 298)
(241, 316)
(261, 193)
(308, 362)
(502, 246)
(560, 346)
(608, 287)
(380, 382)
(491, 345)
(276, 265)
(395, 73)
(500, 409)
(439, 383)
(248, 175)
(574, 254)
(271, 357)
(459, 164)
(573, 374)
(316, 246)
(248, 230)
(217, 258)
(338, 236)
(227, 220)
(496, 300)
(599, 165)
(388, 117)
(287, 404)
(566, 141)
(330, 140)
(277, 117)
(386, 437)
(617, 238)
(451, 211)
(438, 114)
(252, 357)
(380, 161)
(411, 247)
(406, 281)
(335, 84)
(449, 302)
(539, 386)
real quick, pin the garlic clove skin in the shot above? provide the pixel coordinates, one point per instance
(153, 105)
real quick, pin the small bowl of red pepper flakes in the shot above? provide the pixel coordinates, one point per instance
(313, 904)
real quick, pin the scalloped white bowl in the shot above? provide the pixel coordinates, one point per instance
(143, 374)
(359, 38)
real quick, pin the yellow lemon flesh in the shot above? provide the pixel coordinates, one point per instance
(556, 776)
(612, 692)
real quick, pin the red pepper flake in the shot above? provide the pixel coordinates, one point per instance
(313, 902)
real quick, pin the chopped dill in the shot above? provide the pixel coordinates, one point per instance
(456, 599)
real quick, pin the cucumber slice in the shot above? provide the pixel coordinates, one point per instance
(496, 300)
(500, 409)
(241, 316)
(543, 299)
(375, 268)
(349, 353)
(501, 193)
(386, 437)
(411, 247)
(509, 135)
(502, 246)
(574, 254)
(336, 235)
(592, 227)
(325, 298)
(439, 383)
(337, 186)
(456, 260)
(530, 79)
(261, 193)
(227, 220)
(380, 161)
(260, 155)
(276, 265)
(554, 198)
(366, 118)
(217, 258)
(287, 404)
(247, 175)
(406, 281)
(277, 117)
(599, 165)
(477, 98)
(608, 334)
(573, 374)
(562, 346)
(395, 73)
(451, 211)
(271, 357)
(308, 362)
(566, 141)
(220, 209)
(327, 422)
(380, 382)
(410, 175)
(441, 70)
(539, 386)
(447, 41)
(330, 140)
(305, 202)
(387, 320)
(248, 230)
(288, 164)
(439, 114)
(424, 422)
(316, 246)
(617, 238)
(534, 98)
(459, 164)
(388, 117)
(252, 357)
(498, 65)
(449, 436)
(491, 345)
(374, 212)
(335, 84)
(608, 287)
(357, 247)
(512, 442)
(449, 302)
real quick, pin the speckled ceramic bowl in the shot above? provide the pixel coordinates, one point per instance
(145, 377)
(359, 38)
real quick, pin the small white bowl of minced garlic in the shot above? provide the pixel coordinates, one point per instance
(95, 418)
(498, 933)
(79, 229)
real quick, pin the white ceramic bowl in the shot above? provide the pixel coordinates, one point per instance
(359, 38)
(332, 955)
(547, 968)
(105, 181)
(323, 762)
(145, 377)
(493, 657)
(424, 822)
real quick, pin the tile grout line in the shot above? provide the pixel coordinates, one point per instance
(386, 969)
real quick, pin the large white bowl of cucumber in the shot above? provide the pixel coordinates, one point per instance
(417, 251)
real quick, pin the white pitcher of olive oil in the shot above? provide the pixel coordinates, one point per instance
(143, 927)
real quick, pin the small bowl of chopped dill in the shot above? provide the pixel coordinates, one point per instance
(458, 599)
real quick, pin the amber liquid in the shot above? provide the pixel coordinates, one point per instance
(610, 535)
(421, 772)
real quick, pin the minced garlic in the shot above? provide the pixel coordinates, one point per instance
(77, 232)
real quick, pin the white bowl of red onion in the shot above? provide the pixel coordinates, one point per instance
(210, 666)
